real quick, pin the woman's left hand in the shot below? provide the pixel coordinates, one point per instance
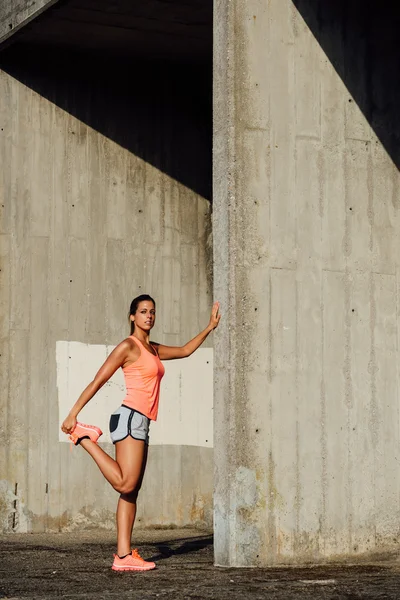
(215, 316)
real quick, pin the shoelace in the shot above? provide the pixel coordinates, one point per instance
(71, 443)
(136, 554)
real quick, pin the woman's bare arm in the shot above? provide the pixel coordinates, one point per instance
(116, 359)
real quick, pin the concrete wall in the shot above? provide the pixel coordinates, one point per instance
(93, 213)
(307, 230)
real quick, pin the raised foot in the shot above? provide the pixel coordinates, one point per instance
(82, 431)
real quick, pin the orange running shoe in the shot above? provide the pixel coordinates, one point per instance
(82, 431)
(132, 562)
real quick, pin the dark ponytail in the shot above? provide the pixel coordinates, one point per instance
(134, 305)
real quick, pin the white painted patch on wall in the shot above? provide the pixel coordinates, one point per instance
(186, 402)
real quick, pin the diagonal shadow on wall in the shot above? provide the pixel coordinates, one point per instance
(160, 111)
(361, 40)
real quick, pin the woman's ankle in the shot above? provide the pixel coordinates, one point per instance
(86, 442)
(124, 552)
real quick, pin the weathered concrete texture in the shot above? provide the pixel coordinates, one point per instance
(79, 567)
(15, 14)
(86, 224)
(307, 231)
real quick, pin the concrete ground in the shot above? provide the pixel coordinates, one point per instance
(76, 566)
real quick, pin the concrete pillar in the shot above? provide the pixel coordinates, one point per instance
(306, 239)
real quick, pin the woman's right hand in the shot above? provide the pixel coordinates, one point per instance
(215, 316)
(69, 424)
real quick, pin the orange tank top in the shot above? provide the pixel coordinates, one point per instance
(142, 381)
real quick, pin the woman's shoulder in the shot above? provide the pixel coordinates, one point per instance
(131, 341)
(126, 345)
(130, 350)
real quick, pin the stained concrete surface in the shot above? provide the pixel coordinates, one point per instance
(306, 229)
(77, 565)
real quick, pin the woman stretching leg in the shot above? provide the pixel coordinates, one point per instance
(141, 363)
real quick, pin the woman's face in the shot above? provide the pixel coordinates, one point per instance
(145, 315)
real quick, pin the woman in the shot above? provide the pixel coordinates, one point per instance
(140, 360)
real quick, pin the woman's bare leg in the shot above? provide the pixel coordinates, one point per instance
(126, 510)
(123, 473)
(107, 465)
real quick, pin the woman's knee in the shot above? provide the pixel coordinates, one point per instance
(128, 488)
(130, 496)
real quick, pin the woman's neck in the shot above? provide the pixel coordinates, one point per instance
(142, 336)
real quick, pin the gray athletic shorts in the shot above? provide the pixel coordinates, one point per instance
(126, 421)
